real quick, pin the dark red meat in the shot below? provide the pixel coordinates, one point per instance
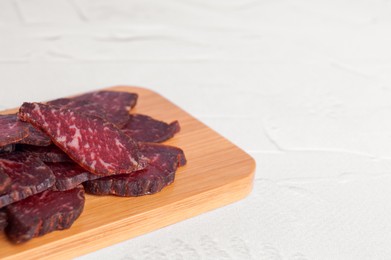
(110, 105)
(60, 102)
(49, 153)
(3, 220)
(95, 144)
(85, 107)
(44, 213)
(163, 161)
(144, 128)
(11, 129)
(5, 182)
(28, 174)
(69, 175)
(115, 104)
(36, 137)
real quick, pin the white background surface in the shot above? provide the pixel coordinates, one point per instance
(303, 86)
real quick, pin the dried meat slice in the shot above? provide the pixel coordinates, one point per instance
(5, 182)
(112, 106)
(59, 102)
(43, 213)
(29, 175)
(36, 137)
(49, 153)
(163, 161)
(144, 128)
(95, 144)
(69, 175)
(85, 107)
(116, 100)
(162, 155)
(115, 104)
(3, 220)
(12, 129)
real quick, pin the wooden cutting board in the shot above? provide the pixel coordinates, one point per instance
(217, 173)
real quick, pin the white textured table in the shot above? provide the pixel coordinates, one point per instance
(304, 87)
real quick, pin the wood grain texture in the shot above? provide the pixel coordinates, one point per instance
(217, 173)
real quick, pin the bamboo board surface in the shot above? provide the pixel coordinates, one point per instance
(217, 173)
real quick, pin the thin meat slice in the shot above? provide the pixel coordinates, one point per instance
(163, 161)
(3, 220)
(60, 102)
(95, 144)
(5, 182)
(12, 129)
(49, 153)
(28, 175)
(112, 106)
(85, 107)
(116, 104)
(144, 128)
(36, 137)
(43, 213)
(69, 175)
(116, 100)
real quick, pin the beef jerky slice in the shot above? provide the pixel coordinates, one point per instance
(85, 107)
(69, 175)
(36, 137)
(110, 105)
(49, 153)
(28, 174)
(43, 213)
(146, 129)
(9, 148)
(163, 161)
(115, 104)
(60, 102)
(5, 182)
(11, 129)
(95, 144)
(3, 220)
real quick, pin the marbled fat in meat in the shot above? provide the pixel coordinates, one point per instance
(95, 144)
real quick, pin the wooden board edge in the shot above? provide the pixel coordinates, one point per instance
(179, 211)
(207, 201)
